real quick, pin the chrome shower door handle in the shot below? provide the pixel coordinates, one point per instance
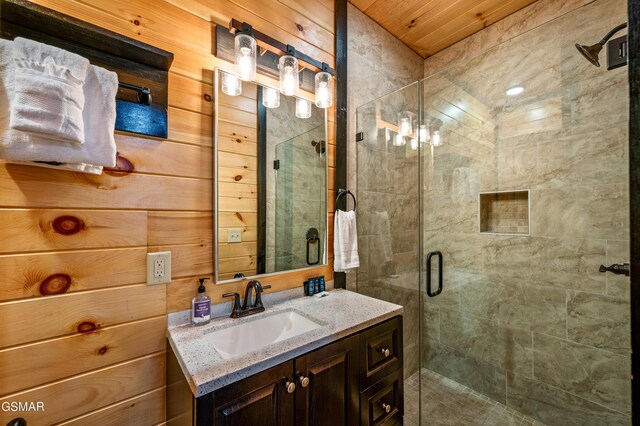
(440, 273)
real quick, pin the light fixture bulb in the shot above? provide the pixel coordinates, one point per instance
(288, 70)
(245, 55)
(231, 84)
(399, 140)
(270, 98)
(514, 91)
(303, 108)
(413, 144)
(423, 133)
(324, 89)
(436, 139)
(405, 123)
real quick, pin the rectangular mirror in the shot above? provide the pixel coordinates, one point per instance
(270, 184)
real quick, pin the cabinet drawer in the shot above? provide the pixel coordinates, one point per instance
(380, 351)
(385, 395)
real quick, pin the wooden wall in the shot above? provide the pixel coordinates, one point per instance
(79, 328)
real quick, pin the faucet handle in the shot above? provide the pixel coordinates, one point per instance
(259, 290)
(235, 312)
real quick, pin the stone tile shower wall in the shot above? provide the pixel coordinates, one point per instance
(379, 63)
(529, 320)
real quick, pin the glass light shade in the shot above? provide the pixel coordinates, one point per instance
(288, 70)
(405, 123)
(398, 140)
(324, 90)
(231, 84)
(413, 144)
(436, 138)
(245, 49)
(270, 98)
(303, 108)
(423, 133)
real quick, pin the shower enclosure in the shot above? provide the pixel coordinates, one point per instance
(489, 196)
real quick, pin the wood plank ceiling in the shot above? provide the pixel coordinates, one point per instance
(429, 26)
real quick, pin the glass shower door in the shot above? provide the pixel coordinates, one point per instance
(388, 217)
(525, 196)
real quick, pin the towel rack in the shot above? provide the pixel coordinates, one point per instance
(143, 93)
(342, 192)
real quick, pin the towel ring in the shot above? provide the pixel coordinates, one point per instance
(342, 192)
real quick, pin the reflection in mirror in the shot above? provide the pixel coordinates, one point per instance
(271, 184)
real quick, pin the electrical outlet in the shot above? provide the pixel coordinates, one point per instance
(159, 267)
(234, 235)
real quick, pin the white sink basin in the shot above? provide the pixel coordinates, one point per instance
(253, 335)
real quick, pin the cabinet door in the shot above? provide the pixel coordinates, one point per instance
(331, 395)
(261, 399)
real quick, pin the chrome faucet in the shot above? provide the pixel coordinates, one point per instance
(248, 307)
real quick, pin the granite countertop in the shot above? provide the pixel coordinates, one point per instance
(340, 314)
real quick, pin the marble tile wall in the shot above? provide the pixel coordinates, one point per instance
(529, 320)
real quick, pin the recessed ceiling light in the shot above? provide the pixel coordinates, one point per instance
(516, 90)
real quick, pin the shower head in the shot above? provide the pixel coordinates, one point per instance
(592, 52)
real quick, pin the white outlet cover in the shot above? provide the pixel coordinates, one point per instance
(234, 235)
(151, 267)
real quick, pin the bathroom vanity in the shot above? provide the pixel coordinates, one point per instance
(346, 371)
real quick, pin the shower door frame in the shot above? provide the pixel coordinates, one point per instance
(634, 200)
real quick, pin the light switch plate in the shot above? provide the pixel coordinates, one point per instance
(159, 267)
(234, 235)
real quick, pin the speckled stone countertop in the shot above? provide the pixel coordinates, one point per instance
(341, 313)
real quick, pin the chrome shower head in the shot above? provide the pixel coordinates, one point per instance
(592, 52)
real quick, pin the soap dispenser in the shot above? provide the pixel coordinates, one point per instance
(201, 306)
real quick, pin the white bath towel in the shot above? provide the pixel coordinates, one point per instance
(99, 117)
(345, 242)
(48, 91)
(80, 167)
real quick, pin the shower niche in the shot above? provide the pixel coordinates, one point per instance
(504, 212)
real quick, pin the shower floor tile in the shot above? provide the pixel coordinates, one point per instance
(446, 402)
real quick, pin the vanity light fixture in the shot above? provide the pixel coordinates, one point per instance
(405, 123)
(436, 134)
(289, 66)
(413, 144)
(231, 84)
(515, 90)
(288, 70)
(245, 54)
(423, 133)
(324, 89)
(398, 140)
(436, 139)
(303, 108)
(270, 97)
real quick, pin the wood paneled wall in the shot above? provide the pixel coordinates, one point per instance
(79, 328)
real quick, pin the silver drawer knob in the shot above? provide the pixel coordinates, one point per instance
(385, 407)
(304, 381)
(384, 352)
(290, 386)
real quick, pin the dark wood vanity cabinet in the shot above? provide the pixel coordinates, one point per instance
(354, 381)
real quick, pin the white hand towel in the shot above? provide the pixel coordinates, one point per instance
(345, 242)
(99, 117)
(48, 91)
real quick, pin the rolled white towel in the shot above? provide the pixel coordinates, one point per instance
(48, 91)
